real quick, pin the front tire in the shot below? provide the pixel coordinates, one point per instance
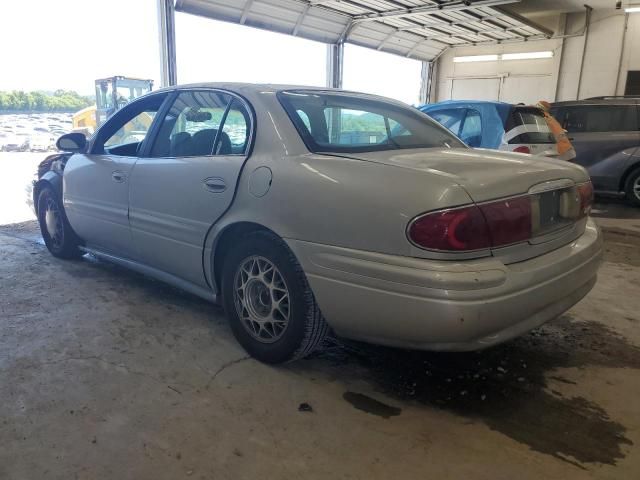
(271, 309)
(632, 188)
(56, 231)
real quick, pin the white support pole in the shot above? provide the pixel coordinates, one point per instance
(167, 31)
(335, 64)
(425, 80)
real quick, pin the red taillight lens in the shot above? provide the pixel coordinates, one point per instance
(509, 220)
(474, 227)
(522, 149)
(453, 230)
(585, 190)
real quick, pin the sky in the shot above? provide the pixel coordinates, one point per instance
(52, 44)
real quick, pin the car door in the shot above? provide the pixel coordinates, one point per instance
(187, 178)
(96, 184)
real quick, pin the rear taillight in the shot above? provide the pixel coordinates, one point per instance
(522, 149)
(585, 191)
(474, 227)
(501, 222)
(509, 220)
(457, 229)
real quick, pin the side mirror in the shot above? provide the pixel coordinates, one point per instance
(72, 142)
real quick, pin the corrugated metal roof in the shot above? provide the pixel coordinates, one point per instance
(419, 29)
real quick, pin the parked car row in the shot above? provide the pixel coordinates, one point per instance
(604, 131)
(304, 209)
(36, 132)
(496, 125)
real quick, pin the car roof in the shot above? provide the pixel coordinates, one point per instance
(598, 101)
(467, 102)
(258, 88)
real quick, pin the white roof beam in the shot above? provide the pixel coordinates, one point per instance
(429, 9)
(245, 12)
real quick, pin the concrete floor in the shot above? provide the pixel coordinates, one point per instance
(105, 374)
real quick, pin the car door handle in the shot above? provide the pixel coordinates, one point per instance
(215, 184)
(118, 176)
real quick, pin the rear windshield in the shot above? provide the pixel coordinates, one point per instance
(597, 118)
(527, 125)
(342, 123)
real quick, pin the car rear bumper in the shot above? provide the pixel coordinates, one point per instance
(440, 305)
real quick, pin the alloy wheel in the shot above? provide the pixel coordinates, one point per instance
(636, 187)
(261, 298)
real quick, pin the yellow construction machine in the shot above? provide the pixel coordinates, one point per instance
(112, 94)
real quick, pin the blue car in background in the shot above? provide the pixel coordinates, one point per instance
(496, 125)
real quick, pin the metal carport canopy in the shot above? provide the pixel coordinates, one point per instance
(418, 29)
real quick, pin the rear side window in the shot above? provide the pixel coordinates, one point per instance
(466, 123)
(597, 118)
(450, 118)
(528, 125)
(354, 127)
(471, 131)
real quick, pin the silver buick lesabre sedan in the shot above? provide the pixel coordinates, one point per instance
(303, 209)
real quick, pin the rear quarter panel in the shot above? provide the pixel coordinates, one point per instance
(342, 202)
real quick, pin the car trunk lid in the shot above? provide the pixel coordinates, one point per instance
(484, 174)
(493, 179)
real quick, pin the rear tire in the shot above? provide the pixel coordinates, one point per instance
(632, 188)
(271, 309)
(56, 231)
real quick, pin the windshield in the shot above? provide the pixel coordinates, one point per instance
(341, 123)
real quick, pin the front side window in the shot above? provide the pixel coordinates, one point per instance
(104, 95)
(125, 131)
(203, 123)
(336, 122)
(134, 131)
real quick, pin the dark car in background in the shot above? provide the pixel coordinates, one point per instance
(605, 132)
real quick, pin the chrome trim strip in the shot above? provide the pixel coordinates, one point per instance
(551, 185)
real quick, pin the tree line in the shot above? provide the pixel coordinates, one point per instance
(58, 101)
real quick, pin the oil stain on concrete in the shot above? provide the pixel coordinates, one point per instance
(371, 405)
(506, 387)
